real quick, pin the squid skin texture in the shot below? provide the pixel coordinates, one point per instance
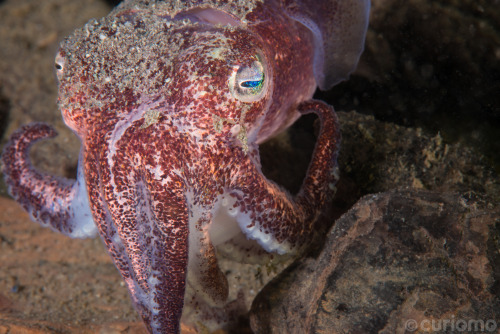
(170, 101)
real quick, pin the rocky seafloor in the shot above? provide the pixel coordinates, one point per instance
(416, 220)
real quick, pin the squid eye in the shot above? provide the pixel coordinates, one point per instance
(248, 83)
(252, 84)
(59, 64)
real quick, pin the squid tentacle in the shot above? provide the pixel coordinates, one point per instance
(59, 203)
(277, 221)
(148, 242)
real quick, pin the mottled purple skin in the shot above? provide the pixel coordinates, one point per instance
(158, 93)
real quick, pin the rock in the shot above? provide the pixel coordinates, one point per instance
(378, 156)
(396, 259)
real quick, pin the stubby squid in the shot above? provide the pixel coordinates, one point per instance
(170, 100)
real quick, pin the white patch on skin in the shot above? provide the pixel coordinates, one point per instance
(224, 226)
(194, 276)
(264, 239)
(153, 281)
(229, 221)
(218, 53)
(116, 239)
(157, 172)
(81, 220)
(235, 130)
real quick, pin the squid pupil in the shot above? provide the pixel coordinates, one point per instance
(251, 84)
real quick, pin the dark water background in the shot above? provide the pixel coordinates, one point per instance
(431, 64)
